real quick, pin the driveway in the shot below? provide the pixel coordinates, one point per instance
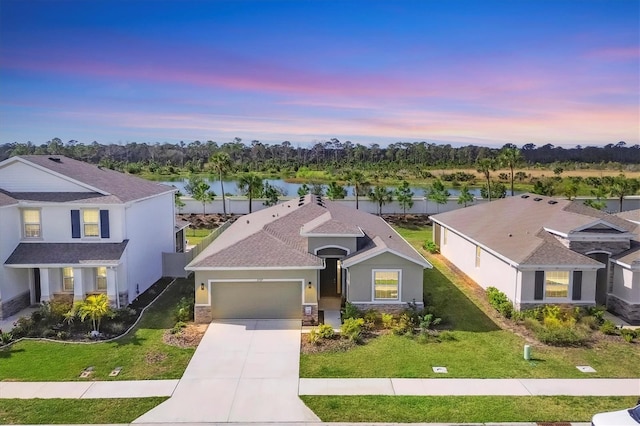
(242, 371)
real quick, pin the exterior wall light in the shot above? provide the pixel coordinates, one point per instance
(309, 285)
(202, 286)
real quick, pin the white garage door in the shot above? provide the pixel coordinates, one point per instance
(256, 300)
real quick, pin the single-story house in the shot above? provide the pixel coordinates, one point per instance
(541, 250)
(287, 260)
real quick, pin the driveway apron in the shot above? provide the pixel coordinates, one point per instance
(242, 371)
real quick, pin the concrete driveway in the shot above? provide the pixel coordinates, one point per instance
(242, 371)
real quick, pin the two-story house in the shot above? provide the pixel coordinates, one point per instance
(69, 229)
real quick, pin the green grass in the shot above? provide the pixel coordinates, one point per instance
(194, 236)
(462, 409)
(70, 411)
(481, 349)
(142, 354)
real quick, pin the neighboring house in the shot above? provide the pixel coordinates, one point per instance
(540, 250)
(69, 229)
(286, 260)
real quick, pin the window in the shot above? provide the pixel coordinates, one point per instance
(478, 251)
(556, 284)
(31, 223)
(91, 223)
(101, 278)
(386, 285)
(67, 279)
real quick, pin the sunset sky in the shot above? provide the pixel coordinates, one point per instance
(480, 72)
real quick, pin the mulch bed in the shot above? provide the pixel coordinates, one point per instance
(188, 337)
(207, 221)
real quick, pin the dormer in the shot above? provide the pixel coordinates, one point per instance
(597, 236)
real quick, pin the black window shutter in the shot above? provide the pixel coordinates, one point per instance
(104, 223)
(75, 223)
(538, 293)
(576, 294)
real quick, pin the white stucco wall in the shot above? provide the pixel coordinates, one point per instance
(492, 272)
(626, 284)
(150, 231)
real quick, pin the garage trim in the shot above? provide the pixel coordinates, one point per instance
(256, 280)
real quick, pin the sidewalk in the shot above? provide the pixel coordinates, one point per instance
(431, 387)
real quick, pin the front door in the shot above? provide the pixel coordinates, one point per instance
(329, 278)
(36, 285)
(602, 278)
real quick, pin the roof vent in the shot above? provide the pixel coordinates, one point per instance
(552, 202)
(55, 159)
(537, 199)
(524, 196)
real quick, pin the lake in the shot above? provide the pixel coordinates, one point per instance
(291, 189)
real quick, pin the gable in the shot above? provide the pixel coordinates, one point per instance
(17, 176)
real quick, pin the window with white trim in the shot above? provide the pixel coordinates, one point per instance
(31, 223)
(386, 284)
(101, 278)
(478, 251)
(67, 279)
(91, 222)
(556, 284)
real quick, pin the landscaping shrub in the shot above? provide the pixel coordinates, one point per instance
(500, 302)
(431, 247)
(184, 310)
(387, 321)
(177, 328)
(350, 311)
(114, 328)
(313, 336)
(352, 329)
(597, 312)
(404, 325)
(371, 319)
(5, 338)
(427, 322)
(628, 335)
(609, 327)
(562, 336)
(325, 331)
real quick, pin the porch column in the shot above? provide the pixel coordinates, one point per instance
(78, 285)
(112, 292)
(45, 292)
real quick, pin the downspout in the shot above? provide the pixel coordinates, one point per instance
(515, 293)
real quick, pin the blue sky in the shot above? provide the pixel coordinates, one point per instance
(481, 72)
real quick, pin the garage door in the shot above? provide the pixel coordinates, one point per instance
(256, 300)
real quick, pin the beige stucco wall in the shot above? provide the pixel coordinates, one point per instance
(626, 284)
(305, 275)
(588, 289)
(360, 282)
(319, 242)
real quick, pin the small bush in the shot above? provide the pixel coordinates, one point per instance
(387, 321)
(352, 329)
(608, 327)
(314, 336)
(500, 302)
(590, 322)
(5, 338)
(404, 325)
(49, 334)
(177, 328)
(628, 335)
(427, 322)
(325, 331)
(597, 312)
(371, 318)
(431, 247)
(115, 328)
(23, 327)
(62, 335)
(350, 311)
(561, 336)
(184, 310)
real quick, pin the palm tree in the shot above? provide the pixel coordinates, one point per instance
(511, 157)
(356, 178)
(486, 166)
(623, 186)
(95, 307)
(382, 196)
(250, 184)
(221, 163)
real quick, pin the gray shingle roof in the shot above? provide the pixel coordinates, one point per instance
(630, 257)
(123, 187)
(633, 215)
(511, 227)
(67, 253)
(271, 238)
(6, 199)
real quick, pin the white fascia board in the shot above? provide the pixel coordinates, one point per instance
(635, 267)
(311, 234)
(250, 268)
(54, 173)
(554, 232)
(63, 265)
(598, 222)
(560, 267)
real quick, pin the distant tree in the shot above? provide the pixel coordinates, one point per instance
(404, 195)
(357, 180)
(570, 189)
(558, 171)
(199, 191)
(335, 191)
(544, 186)
(623, 186)
(511, 157)
(271, 194)
(317, 189)
(498, 190)
(303, 190)
(221, 164)
(465, 196)
(250, 185)
(438, 194)
(600, 193)
(486, 166)
(382, 196)
(177, 200)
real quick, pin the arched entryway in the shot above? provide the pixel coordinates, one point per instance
(331, 281)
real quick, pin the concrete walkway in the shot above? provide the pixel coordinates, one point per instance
(242, 371)
(88, 390)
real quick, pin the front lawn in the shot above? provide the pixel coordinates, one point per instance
(481, 348)
(70, 411)
(142, 354)
(462, 409)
